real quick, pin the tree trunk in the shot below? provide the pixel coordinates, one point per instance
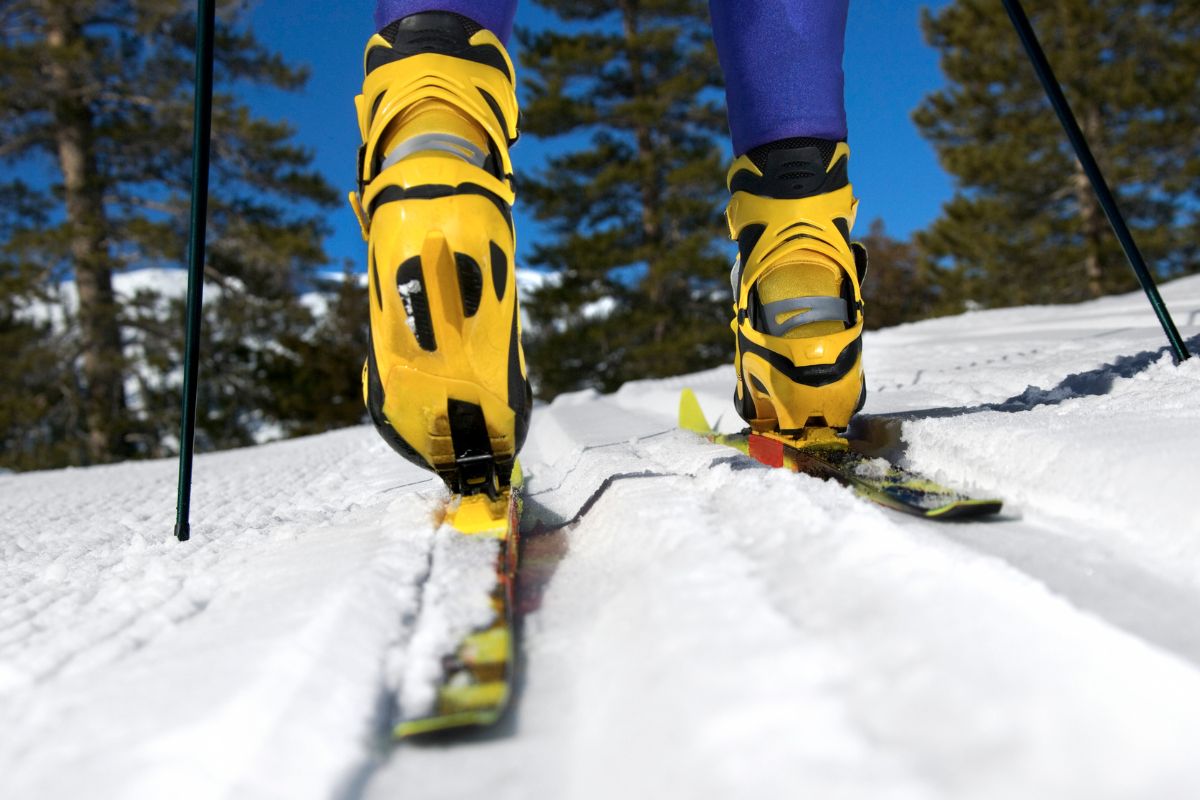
(649, 188)
(1091, 216)
(104, 401)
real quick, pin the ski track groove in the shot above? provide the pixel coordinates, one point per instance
(930, 540)
(1089, 576)
(1084, 572)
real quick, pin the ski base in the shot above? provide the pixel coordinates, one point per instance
(477, 678)
(822, 453)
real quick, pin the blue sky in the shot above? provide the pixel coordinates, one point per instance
(888, 70)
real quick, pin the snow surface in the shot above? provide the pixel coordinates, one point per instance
(694, 626)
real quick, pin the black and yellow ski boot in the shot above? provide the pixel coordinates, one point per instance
(444, 380)
(797, 287)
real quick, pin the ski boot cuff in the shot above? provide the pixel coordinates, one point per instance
(435, 57)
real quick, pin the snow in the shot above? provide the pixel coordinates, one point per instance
(694, 625)
(407, 291)
(455, 600)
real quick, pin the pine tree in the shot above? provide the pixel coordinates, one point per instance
(899, 288)
(98, 96)
(40, 418)
(1023, 225)
(641, 280)
(326, 360)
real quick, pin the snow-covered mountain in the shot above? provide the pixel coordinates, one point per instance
(694, 626)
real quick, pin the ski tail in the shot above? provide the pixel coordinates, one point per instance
(691, 416)
(477, 681)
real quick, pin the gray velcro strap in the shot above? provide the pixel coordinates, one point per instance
(441, 142)
(812, 309)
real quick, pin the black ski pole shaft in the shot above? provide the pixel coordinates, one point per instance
(1107, 201)
(201, 140)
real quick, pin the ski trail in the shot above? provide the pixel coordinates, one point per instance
(1090, 575)
(864, 653)
(264, 637)
(1088, 569)
(594, 715)
(694, 624)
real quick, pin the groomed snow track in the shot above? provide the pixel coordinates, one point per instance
(694, 625)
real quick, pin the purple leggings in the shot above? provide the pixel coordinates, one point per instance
(782, 60)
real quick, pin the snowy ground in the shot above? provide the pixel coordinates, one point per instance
(694, 626)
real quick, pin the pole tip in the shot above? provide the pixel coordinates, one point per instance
(183, 531)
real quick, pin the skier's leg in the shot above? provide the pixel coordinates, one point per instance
(798, 302)
(495, 15)
(444, 380)
(782, 61)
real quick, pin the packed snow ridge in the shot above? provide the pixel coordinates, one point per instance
(693, 625)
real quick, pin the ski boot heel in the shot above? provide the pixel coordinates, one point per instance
(444, 380)
(446, 399)
(797, 287)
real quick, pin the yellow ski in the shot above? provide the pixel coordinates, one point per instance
(822, 452)
(477, 678)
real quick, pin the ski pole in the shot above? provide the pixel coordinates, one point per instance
(202, 129)
(1107, 201)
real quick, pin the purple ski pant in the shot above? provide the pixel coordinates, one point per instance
(782, 60)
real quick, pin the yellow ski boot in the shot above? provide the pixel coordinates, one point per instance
(797, 287)
(444, 380)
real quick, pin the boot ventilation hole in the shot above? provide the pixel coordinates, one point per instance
(410, 283)
(470, 283)
(499, 269)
